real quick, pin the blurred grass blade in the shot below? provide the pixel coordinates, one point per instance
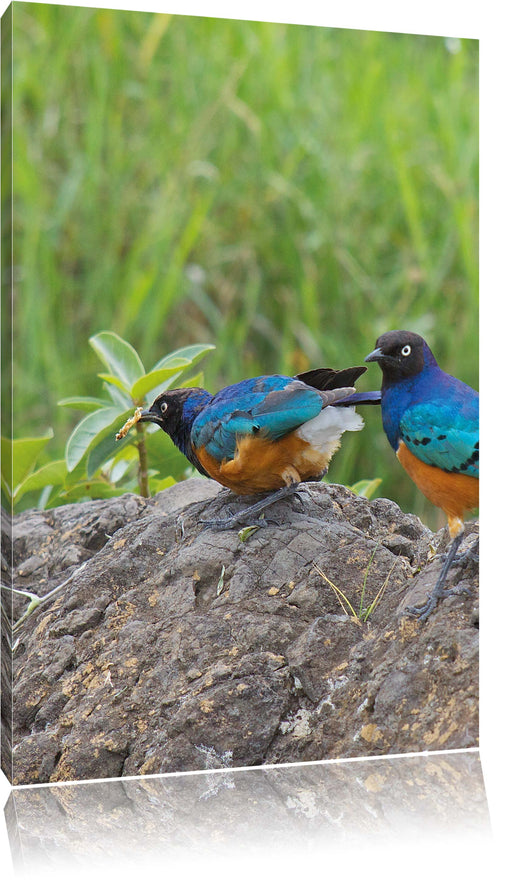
(366, 487)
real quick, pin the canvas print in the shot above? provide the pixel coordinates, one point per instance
(239, 393)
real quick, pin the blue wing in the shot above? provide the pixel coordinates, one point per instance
(443, 434)
(271, 406)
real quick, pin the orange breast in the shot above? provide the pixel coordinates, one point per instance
(261, 465)
(453, 492)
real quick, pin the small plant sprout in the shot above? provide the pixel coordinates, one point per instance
(364, 613)
(342, 598)
(36, 601)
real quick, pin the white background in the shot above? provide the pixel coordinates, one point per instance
(490, 23)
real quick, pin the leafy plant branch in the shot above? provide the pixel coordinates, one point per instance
(95, 464)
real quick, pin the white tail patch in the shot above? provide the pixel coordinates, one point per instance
(323, 431)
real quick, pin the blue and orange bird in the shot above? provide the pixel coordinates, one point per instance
(266, 434)
(431, 421)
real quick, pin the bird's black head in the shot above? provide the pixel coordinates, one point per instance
(400, 354)
(174, 411)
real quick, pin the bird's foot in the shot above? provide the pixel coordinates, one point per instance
(239, 519)
(251, 515)
(469, 556)
(423, 611)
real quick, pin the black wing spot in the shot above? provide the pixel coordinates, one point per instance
(441, 437)
(469, 462)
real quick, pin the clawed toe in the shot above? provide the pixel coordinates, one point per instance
(298, 495)
(238, 520)
(251, 515)
(422, 612)
(470, 555)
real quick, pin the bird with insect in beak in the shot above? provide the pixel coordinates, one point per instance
(263, 435)
(431, 421)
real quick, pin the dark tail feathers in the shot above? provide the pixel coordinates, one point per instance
(362, 398)
(329, 378)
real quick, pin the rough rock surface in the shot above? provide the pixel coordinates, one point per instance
(173, 646)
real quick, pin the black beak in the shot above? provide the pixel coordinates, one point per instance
(375, 356)
(150, 416)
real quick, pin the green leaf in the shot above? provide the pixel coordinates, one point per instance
(160, 484)
(196, 380)
(122, 462)
(165, 457)
(83, 403)
(155, 378)
(119, 356)
(96, 490)
(121, 399)
(50, 474)
(115, 381)
(105, 445)
(192, 354)
(87, 430)
(366, 487)
(18, 458)
(6, 490)
(245, 532)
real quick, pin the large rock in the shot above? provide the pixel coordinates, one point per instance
(172, 646)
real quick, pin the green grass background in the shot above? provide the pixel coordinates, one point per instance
(285, 192)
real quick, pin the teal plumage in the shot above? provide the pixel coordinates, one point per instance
(442, 435)
(431, 420)
(271, 405)
(266, 433)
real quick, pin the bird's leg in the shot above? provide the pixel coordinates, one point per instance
(439, 591)
(246, 516)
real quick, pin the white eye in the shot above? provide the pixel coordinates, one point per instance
(163, 407)
(406, 350)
